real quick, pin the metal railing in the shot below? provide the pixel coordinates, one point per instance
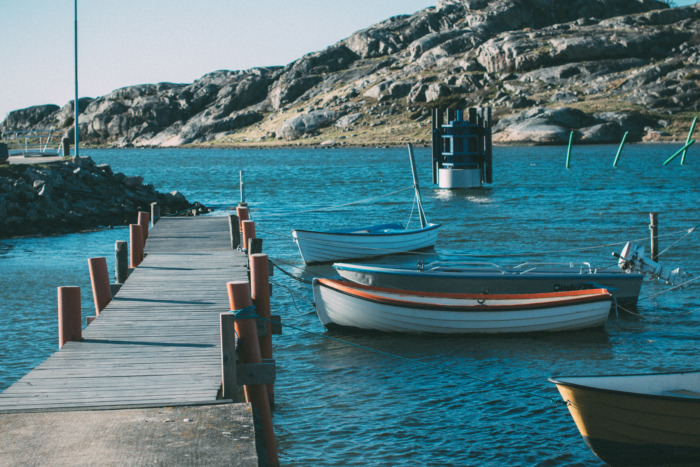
(33, 142)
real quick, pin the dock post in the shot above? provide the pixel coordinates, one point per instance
(69, 317)
(121, 262)
(144, 219)
(99, 278)
(229, 386)
(239, 298)
(255, 246)
(136, 241)
(234, 231)
(619, 150)
(248, 229)
(260, 291)
(690, 135)
(654, 227)
(568, 151)
(243, 215)
(155, 213)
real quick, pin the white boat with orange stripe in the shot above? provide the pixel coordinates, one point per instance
(348, 305)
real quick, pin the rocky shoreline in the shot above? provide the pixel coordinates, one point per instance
(77, 195)
(598, 67)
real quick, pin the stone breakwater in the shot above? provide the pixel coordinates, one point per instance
(76, 195)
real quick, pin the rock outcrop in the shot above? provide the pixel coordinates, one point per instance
(638, 59)
(76, 195)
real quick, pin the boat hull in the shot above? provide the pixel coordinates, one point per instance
(346, 305)
(626, 428)
(625, 287)
(324, 247)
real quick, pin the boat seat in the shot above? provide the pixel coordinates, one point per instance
(681, 392)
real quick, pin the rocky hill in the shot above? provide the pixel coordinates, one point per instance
(600, 67)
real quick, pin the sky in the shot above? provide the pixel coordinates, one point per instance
(129, 42)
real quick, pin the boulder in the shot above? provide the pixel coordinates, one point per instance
(348, 119)
(563, 97)
(297, 126)
(132, 181)
(541, 126)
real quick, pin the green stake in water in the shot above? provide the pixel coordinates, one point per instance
(690, 135)
(619, 150)
(679, 151)
(568, 152)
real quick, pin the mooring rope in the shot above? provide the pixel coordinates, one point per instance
(335, 207)
(296, 278)
(291, 293)
(506, 255)
(246, 313)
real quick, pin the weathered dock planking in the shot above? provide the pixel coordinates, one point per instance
(143, 387)
(157, 342)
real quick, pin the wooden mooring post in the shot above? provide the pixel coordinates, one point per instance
(260, 291)
(136, 241)
(70, 327)
(99, 279)
(248, 230)
(249, 354)
(121, 262)
(654, 227)
(144, 221)
(155, 213)
(234, 231)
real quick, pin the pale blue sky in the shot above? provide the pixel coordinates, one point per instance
(129, 42)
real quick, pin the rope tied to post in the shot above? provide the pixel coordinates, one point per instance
(247, 312)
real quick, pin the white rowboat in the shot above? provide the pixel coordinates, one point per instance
(347, 305)
(363, 242)
(366, 242)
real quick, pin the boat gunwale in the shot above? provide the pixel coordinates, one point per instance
(369, 269)
(427, 228)
(556, 381)
(592, 296)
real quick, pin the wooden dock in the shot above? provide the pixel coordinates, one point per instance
(157, 343)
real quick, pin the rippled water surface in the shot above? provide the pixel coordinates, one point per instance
(338, 405)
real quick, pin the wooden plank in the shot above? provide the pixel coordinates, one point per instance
(158, 341)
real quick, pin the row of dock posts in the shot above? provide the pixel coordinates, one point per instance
(255, 369)
(69, 301)
(246, 342)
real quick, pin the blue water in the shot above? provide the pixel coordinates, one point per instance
(337, 405)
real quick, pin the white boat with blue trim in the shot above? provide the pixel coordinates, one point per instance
(466, 277)
(366, 242)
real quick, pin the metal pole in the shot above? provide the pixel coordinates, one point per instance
(421, 214)
(690, 135)
(242, 188)
(619, 150)
(75, 103)
(568, 152)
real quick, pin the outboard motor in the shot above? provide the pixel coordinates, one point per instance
(632, 260)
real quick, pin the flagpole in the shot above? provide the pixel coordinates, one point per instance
(75, 103)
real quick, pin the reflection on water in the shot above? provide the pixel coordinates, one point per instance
(339, 405)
